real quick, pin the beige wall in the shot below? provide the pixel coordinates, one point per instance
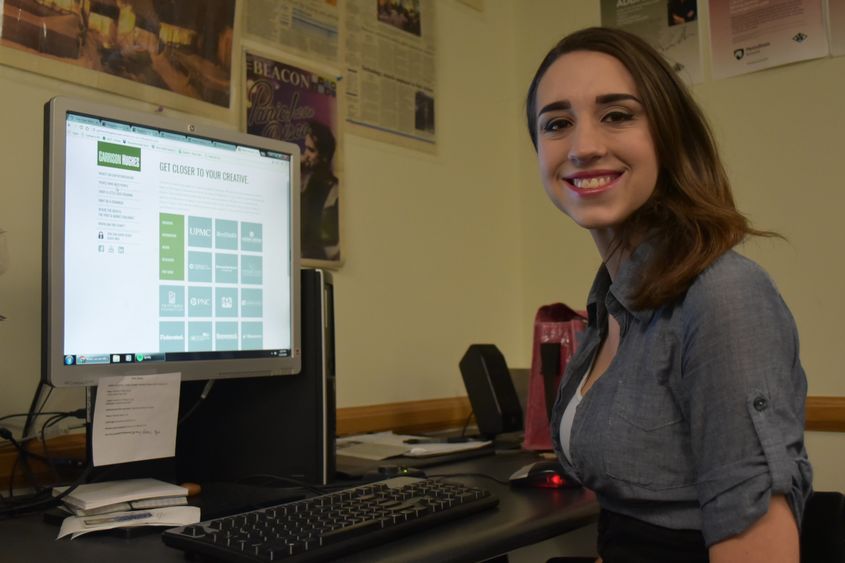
(458, 247)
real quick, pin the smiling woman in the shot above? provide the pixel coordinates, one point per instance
(684, 406)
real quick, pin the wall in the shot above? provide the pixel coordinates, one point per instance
(780, 135)
(431, 240)
(462, 246)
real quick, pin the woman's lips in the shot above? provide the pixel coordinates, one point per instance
(592, 183)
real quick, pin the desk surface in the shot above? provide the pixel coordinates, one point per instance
(523, 517)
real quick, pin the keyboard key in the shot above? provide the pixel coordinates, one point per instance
(323, 527)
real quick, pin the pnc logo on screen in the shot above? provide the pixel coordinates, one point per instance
(118, 156)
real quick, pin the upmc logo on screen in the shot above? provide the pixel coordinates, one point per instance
(118, 156)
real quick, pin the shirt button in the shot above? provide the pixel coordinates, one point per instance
(760, 404)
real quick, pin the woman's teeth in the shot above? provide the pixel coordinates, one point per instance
(591, 183)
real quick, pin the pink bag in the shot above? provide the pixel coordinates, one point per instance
(555, 329)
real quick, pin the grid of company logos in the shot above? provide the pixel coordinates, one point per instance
(210, 284)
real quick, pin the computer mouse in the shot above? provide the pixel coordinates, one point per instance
(546, 474)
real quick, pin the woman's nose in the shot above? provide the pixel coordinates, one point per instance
(587, 144)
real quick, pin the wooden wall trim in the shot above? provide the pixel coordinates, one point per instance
(826, 414)
(405, 417)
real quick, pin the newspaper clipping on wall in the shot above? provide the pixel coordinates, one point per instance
(293, 104)
(390, 67)
(836, 22)
(306, 27)
(670, 26)
(751, 35)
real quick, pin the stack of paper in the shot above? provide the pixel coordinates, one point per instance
(114, 496)
(120, 504)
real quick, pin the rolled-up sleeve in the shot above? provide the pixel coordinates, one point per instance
(744, 391)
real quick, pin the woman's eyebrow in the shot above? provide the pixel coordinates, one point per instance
(611, 98)
(554, 106)
(601, 100)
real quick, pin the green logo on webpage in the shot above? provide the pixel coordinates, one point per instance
(118, 156)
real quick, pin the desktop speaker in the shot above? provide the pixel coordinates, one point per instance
(282, 426)
(490, 389)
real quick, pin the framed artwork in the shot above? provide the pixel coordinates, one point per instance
(164, 52)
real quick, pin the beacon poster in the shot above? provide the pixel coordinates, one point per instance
(300, 106)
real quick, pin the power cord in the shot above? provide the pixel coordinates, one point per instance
(205, 391)
(14, 510)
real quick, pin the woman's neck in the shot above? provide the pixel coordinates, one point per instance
(613, 251)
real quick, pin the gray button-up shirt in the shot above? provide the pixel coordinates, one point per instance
(699, 418)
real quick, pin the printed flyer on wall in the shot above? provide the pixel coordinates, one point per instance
(751, 35)
(670, 26)
(292, 104)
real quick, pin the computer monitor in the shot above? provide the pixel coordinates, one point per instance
(169, 246)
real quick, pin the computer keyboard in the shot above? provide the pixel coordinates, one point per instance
(330, 525)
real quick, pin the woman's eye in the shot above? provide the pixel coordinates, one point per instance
(556, 125)
(618, 117)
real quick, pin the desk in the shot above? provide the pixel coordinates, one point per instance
(523, 517)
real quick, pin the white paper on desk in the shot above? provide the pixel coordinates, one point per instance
(349, 445)
(427, 450)
(170, 516)
(135, 418)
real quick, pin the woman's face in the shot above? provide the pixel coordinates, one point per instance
(597, 158)
(310, 156)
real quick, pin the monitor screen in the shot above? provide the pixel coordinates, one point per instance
(169, 246)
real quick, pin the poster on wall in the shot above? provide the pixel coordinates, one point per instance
(836, 24)
(183, 48)
(670, 26)
(300, 106)
(750, 36)
(390, 77)
(305, 27)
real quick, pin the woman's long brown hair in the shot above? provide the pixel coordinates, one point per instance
(690, 218)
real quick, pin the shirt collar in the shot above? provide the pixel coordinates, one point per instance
(622, 288)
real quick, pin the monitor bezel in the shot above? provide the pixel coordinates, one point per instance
(54, 372)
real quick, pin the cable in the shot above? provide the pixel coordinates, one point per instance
(18, 415)
(34, 410)
(466, 424)
(482, 475)
(15, 510)
(298, 482)
(50, 422)
(205, 391)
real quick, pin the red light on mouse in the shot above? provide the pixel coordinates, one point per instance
(555, 481)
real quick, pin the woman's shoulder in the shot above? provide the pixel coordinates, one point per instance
(732, 278)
